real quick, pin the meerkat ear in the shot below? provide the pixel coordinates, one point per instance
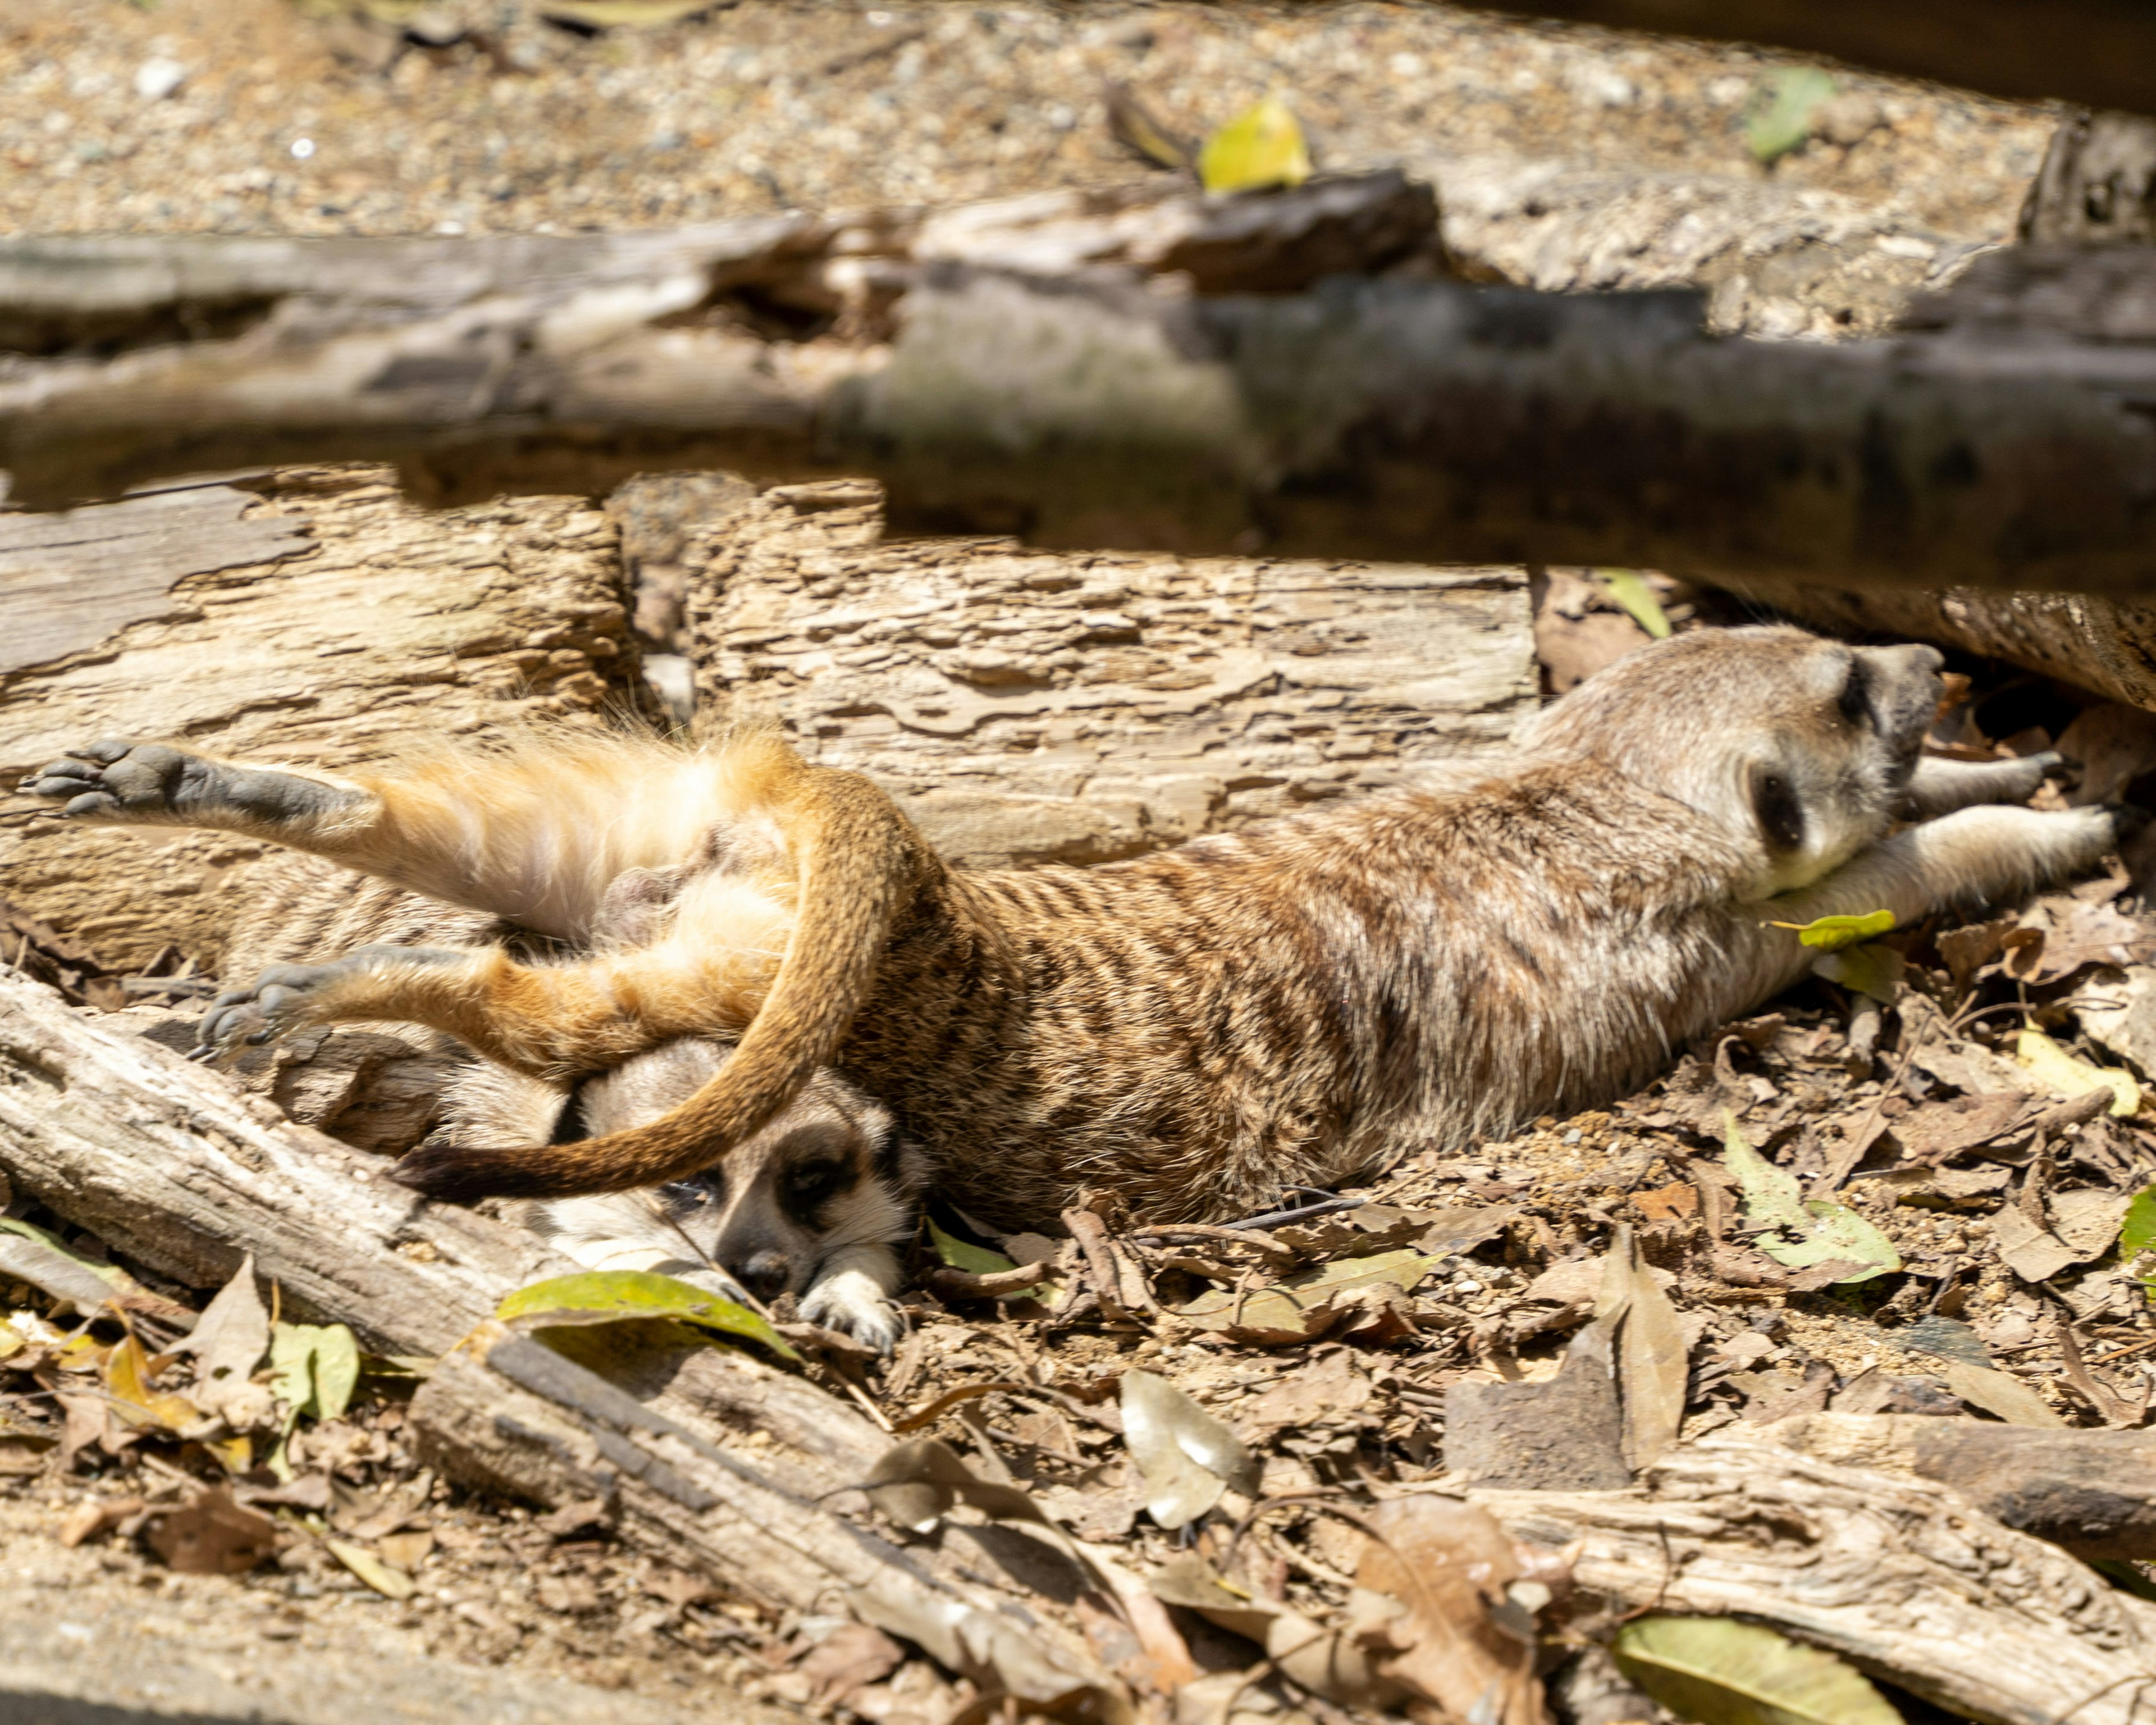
(1774, 801)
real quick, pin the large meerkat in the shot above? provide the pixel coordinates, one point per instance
(1300, 1001)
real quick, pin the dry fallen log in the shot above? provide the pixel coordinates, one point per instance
(1008, 368)
(308, 615)
(716, 1461)
(1029, 705)
(2097, 643)
(2091, 1492)
(1904, 1576)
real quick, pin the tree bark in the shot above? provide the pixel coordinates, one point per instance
(1029, 707)
(1906, 1577)
(2093, 1493)
(1090, 372)
(2092, 641)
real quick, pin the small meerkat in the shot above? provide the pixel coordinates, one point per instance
(812, 1205)
(1298, 1003)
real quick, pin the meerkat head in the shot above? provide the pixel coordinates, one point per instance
(1799, 747)
(829, 1175)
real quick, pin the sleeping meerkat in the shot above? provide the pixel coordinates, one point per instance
(1297, 1003)
(812, 1205)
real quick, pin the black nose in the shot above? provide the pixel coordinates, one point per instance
(766, 1274)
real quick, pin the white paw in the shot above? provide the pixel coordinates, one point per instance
(854, 1302)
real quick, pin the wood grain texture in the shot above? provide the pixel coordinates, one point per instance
(70, 580)
(1028, 705)
(1080, 371)
(384, 629)
(1906, 1577)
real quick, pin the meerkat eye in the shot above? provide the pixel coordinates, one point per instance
(807, 1184)
(1774, 801)
(1855, 701)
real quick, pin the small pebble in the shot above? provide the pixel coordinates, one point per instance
(156, 78)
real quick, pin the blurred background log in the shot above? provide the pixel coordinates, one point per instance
(1137, 372)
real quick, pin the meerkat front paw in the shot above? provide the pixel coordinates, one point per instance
(854, 1302)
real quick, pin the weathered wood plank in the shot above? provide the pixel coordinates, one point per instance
(1905, 1576)
(72, 579)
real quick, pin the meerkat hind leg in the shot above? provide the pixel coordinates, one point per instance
(153, 783)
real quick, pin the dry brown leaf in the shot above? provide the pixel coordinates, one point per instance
(1456, 1639)
(228, 1341)
(1327, 1662)
(916, 1484)
(1997, 1393)
(213, 1536)
(1188, 1457)
(1326, 1387)
(1653, 1365)
(89, 1520)
(1299, 1308)
(847, 1661)
(1937, 1132)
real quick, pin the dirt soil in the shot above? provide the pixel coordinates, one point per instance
(255, 116)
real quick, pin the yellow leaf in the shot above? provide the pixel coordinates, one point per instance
(1630, 590)
(2070, 1075)
(1260, 146)
(390, 1584)
(1830, 934)
(135, 1401)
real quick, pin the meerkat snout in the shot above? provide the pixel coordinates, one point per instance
(811, 1206)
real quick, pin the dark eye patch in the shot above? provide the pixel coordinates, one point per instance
(804, 1186)
(1855, 701)
(1774, 801)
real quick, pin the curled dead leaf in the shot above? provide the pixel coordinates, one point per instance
(1188, 1457)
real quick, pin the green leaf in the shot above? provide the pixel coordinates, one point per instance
(314, 1369)
(1871, 969)
(1629, 589)
(337, 1370)
(2126, 1576)
(604, 1296)
(1836, 1232)
(1716, 1671)
(2138, 1233)
(1781, 116)
(292, 1365)
(1830, 934)
(1771, 1194)
(963, 1255)
(1825, 1231)
(1260, 146)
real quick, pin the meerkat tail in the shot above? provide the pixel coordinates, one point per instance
(859, 863)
